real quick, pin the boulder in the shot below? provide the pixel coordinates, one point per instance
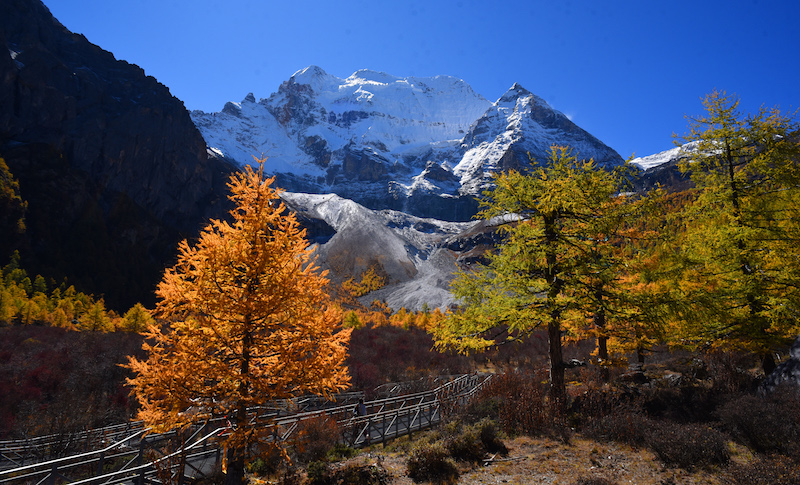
(787, 373)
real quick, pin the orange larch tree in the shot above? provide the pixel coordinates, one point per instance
(245, 319)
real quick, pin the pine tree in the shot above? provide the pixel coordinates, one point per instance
(739, 253)
(249, 321)
(554, 270)
(136, 319)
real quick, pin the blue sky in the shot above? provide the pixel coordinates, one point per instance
(629, 72)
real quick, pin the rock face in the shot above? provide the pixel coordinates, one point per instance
(110, 163)
(787, 373)
(425, 146)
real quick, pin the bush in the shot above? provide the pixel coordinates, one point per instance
(684, 403)
(490, 439)
(518, 401)
(728, 371)
(624, 427)
(341, 452)
(683, 445)
(688, 446)
(431, 463)
(766, 424)
(314, 438)
(361, 475)
(766, 471)
(466, 446)
(593, 481)
(318, 473)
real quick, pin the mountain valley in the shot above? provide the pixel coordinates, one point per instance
(384, 170)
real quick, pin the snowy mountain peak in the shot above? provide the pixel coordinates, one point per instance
(368, 76)
(313, 76)
(425, 145)
(518, 95)
(514, 92)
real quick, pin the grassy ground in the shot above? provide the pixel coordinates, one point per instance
(541, 460)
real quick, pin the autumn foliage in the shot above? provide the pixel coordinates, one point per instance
(249, 320)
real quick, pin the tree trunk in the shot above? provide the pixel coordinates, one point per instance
(557, 387)
(234, 456)
(602, 339)
(237, 449)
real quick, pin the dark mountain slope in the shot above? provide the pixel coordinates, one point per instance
(110, 163)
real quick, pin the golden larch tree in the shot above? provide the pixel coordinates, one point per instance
(245, 319)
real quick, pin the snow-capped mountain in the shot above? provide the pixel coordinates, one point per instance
(670, 156)
(662, 169)
(425, 146)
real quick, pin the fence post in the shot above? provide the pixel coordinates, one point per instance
(100, 464)
(51, 480)
(140, 462)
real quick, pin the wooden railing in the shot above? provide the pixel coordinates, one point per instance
(128, 453)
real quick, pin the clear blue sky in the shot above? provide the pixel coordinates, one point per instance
(626, 71)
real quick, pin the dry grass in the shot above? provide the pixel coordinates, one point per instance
(548, 461)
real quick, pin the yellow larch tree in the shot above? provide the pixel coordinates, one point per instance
(244, 319)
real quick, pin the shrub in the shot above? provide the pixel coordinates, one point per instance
(354, 474)
(466, 446)
(518, 401)
(624, 427)
(315, 437)
(269, 459)
(683, 445)
(318, 473)
(593, 481)
(766, 471)
(766, 424)
(688, 445)
(684, 403)
(728, 371)
(341, 452)
(488, 434)
(431, 463)
(598, 402)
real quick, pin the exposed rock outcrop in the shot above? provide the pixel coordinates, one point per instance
(787, 373)
(111, 164)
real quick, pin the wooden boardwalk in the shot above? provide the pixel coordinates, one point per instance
(129, 454)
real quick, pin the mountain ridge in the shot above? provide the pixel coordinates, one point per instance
(426, 146)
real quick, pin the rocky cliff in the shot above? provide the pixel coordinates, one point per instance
(111, 165)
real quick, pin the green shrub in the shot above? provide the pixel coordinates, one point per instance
(318, 473)
(341, 452)
(431, 463)
(487, 431)
(466, 446)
